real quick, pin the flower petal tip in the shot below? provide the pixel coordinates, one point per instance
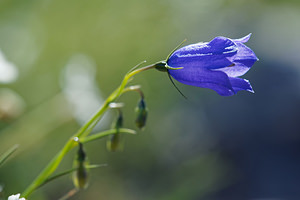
(243, 39)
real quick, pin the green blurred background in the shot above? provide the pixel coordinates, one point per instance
(65, 57)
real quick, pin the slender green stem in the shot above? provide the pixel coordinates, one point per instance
(88, 127)
(58, 176)
(82, 132)
(135, 88)
(68, 172)
(50, 168)
(106, 133)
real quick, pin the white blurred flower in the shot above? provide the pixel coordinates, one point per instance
(15, 197)
(12, 105)
(8, 71)
(80, 87)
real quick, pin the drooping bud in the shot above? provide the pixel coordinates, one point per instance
(80, 176)
(115, 143)
(141, 114)
(119, 121)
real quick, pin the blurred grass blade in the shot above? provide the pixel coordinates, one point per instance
(8, 153)
(69, 194)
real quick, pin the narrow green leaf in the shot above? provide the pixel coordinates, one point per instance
(8, 153)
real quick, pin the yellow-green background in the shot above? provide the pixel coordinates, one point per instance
(207, 147)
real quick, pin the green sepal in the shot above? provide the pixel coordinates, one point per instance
(163, 66)
(173, 68)
(175, 49)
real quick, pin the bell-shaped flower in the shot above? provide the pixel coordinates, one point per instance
(216, 65)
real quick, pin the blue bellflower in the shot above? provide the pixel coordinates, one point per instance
(216, 65)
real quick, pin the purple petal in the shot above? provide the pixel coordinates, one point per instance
(243, 60)
(204, 62)
(244, 55)
(210, 55)
(204, 78)
(243, 39)
(240, 84)
(238, 69)
(222, 45)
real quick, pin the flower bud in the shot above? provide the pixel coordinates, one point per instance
(119, 122)
(141, 111)
(80, 176)
(114, 144)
